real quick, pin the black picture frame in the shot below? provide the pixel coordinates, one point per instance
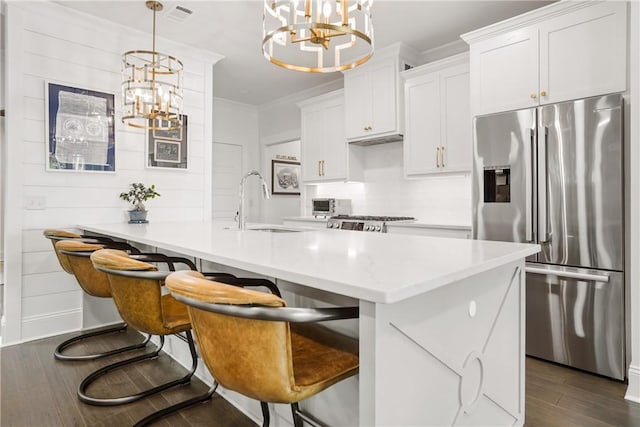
(80, 131)
(285, 178)
(168, 149)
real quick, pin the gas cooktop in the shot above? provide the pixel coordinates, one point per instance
(364, 222)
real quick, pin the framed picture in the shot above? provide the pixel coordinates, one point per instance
(168, 148)
(80, 129)
(285, 177)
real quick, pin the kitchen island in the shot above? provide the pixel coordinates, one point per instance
(441, 324)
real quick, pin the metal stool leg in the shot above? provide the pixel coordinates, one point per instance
(82, 388)
(150, 419)
(266, 418)
(58, 353)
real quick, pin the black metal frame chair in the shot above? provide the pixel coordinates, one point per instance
(159, 277)
(256, 311)
(106, 242)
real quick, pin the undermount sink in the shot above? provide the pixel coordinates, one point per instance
(276, 230)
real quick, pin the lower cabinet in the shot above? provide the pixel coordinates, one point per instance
(434, 231)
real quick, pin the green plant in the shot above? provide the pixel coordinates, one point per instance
(139, 193)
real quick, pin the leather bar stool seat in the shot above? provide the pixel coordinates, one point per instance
(255, 345)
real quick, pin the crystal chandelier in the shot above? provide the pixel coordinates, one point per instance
(317, 36)
(151, 86)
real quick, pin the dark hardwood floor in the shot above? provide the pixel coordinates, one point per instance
(37, 390)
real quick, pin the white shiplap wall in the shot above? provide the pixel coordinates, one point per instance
(47, 42)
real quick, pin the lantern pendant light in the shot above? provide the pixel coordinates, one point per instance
(317, 36)
(152, 86)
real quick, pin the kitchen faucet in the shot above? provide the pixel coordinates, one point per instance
(265, 193)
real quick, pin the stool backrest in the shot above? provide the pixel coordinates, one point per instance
(250, 356)
(136, 288)
(76, 256)
(58, 235)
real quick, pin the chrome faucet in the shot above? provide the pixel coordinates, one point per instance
(265, 193)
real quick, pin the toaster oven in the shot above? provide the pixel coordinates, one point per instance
(329, 207)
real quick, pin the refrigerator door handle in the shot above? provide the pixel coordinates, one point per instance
(568, 274)
(543, 196)
(528, 187)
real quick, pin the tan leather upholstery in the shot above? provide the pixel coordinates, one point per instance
(265, 360)
(53, 235)
(93, 282)
(60, 233)
(139, 300)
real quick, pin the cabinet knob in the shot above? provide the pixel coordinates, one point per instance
(543, 93)
(533, 96)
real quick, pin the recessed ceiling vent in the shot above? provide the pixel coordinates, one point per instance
(179, 14)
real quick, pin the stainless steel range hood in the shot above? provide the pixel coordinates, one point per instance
(378, 140)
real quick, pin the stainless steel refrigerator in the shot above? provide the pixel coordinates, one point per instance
(553, 175)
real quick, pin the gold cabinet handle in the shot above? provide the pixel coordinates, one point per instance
(543, 93)
(319, 171)
(533, 96)
(437, 157)
(322, 167)
(442, 156)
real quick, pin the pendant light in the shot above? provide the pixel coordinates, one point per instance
(317, 36)
(152, 86)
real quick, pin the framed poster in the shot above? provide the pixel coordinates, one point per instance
(168, 148)
(80, 129)
(285, 177)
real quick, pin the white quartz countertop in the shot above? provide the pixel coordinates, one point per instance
(418, 224)
(306, 218)
(377, 267)
(410, 224)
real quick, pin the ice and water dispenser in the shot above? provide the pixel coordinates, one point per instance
(497, 184)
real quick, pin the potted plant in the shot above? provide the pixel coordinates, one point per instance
(137, 194)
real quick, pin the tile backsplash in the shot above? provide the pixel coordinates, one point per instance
(442, 199)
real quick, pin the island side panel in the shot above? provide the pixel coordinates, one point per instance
(452, 356)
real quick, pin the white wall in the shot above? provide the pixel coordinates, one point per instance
(47, 42)
(633, 229)
(2, 106)
(236, 123)
(279, 205)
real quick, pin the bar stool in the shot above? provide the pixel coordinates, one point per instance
(86, 283)
(74, 254)
(255, 345)
(136, 290)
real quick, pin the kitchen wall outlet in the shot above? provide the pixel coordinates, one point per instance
(35, 203)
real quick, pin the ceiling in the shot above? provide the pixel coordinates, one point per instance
(233, 28)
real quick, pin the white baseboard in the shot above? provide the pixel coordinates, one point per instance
(37, 327)
(633, 388)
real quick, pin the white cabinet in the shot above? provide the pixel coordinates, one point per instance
(437, 118)
(567, 50)
(324, 150)
(373, 95)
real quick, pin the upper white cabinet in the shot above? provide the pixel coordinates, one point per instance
(564, 51)
(373, 95)
(437, 118)
(325, 154)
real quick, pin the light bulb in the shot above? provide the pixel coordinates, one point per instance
(326, 9)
